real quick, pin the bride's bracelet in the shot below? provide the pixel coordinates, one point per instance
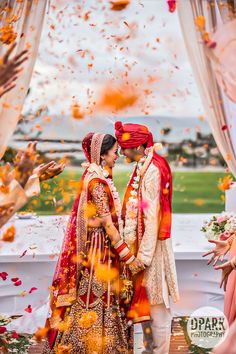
(233, 262)
(124, 252)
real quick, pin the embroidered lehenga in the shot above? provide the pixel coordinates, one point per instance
(86, 313)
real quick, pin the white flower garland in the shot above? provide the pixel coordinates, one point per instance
(131, 216)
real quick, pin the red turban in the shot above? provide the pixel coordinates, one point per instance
(133, 135)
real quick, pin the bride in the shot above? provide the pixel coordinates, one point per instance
(87, 315)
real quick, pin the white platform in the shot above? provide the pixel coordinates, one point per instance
(42, 237)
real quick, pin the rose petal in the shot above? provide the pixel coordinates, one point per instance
(3, 275)
(2, 329)
(18, 283)
(14, 279)
(28, 309)
(32, 289)
(23, 254)
(15, 335)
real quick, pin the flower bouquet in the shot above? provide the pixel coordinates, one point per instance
(221, 227)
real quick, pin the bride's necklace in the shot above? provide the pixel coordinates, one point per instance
(116, 198)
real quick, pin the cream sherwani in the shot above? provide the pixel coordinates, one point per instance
(160, 275)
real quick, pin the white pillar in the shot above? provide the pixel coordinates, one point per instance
(230, 199)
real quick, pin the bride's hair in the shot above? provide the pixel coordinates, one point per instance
(107, 143)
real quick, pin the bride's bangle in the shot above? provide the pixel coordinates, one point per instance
(233, 262)
(124, 252)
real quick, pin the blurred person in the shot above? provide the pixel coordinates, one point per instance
(10, 69)
(23, 182)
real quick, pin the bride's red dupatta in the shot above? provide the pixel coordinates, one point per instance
(65, 280)
(66, 277)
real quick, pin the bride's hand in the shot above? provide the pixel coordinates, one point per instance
(220, 250)
(226, 270)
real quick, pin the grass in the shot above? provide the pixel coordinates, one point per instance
(194, 192)
(197, 192)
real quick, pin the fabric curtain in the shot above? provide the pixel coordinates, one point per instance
(25, 19)
(220, 109)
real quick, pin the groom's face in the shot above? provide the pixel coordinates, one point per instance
(131, 155)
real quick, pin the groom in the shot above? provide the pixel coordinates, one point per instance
(147, 215)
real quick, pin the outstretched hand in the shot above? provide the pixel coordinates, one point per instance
(226, 270)
(220, 250)
(10, 68)
(49, 170)
(25, 162)
(6, 176)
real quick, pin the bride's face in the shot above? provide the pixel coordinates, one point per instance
(111, 156)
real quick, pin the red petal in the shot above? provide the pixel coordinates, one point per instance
(3, 275)
(23, 254)
(14, 279)
(17, 283)
(172, 5)
(28, 309)
(15, 335)
(32, 289)
(225, 127)
(2, 329)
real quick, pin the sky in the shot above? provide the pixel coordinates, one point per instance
(86, 48)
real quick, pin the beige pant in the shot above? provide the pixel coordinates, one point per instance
(157, 332)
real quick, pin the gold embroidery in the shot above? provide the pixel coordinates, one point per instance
(96, 144)
(100, 199)
(66, 299)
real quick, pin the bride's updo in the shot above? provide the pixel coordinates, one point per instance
(107, 143)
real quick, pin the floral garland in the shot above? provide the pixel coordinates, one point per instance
(131, 216)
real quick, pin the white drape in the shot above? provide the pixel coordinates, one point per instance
(30, 14)
(219, 109)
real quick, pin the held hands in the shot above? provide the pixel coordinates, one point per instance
(220, 250)
(136, 266)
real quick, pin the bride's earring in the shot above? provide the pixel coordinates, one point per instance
(103, 163)
(104, 171)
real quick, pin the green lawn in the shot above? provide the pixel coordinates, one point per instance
(194, 192)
